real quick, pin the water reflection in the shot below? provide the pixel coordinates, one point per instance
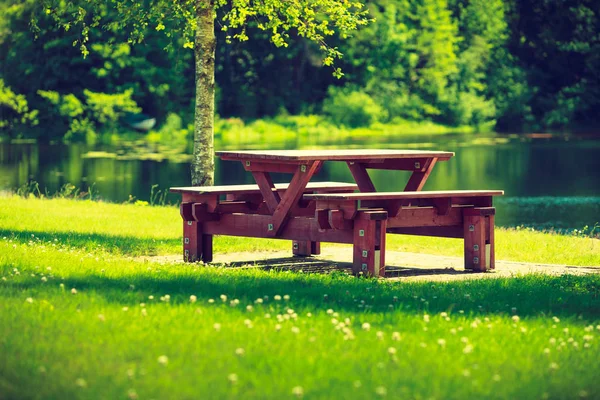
(549, 182)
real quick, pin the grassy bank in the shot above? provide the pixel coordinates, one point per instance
(81, 318)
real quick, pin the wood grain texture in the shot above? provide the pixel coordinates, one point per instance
(251, 189)
(418, 178)
(403, 195)
(330, 155)
(361, 176)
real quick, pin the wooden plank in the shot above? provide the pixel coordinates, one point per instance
(305, 248)
(192, 241)
(418, 178)
(436, 231)
(369, 248)
(361, 176)
(442, 205)
(330, 155)
(474, 243)
(349, 208)
(293, 193)
(200, 213)
(403, 164)
(265, 183)
(413, 217)
(337, 221)
(280, 167)
(322, 218)
(253, 189)
(297, 228)
(491, 243)
(410, 195)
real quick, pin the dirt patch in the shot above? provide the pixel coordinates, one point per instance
(399, 265)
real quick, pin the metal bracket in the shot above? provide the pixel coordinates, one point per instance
(417, 165)
(361, 232)
(303, 168)
(295, 246)
(189, 223)
(247, 163)
(475, 260)
(475, 247)
(365, 253)
(270, 227)
(186, 240)
(471, 228)
(364, 267)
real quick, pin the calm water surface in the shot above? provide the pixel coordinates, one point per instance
(550, 182)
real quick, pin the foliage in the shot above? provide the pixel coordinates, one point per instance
(352, 108)
(14, 111)
(98, 112)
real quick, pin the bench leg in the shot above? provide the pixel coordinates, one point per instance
(304, 248)
(479, 241)
(369, 248)
(196, 246)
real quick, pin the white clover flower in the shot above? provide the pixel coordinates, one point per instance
(267, 315)
(309, 315)
(379, 335)
(44, 279)
(211, 301)
(144, 312)
(223, 298)
(132, 394)
(81, 382)
(249, 308)
(150, 297)
(142, 305)
(442, 342)
(392, 350)
(258, 301)
(546, 351)
(217, 326)
(396, 336)
(426, 318)
(163, 360)
(286, 297)
(277, 297)
(587, 338)
(366, 326)
(357, 384)
(468, 349)
(101, 317)
(464, 339)
(239, 351)
(125, 308)
(277, 327)
(29, 300)
(330, 311)
(233, 378)
(496, 378)
(555, 319)
(73, 291)
(516, 318)
(443, 314)
(298, 391)
(193, 299)
(381, 391)
(553, 366)
(295, 329)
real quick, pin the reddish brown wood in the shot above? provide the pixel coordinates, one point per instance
(437, 231)
(293, 193)
(404, 195)
(207, 248)
(406, 164)
(349, 208)
(361, 176)
(490, 227)
(281, 167)
(329, 155)
(192, 241)
(412, 217)
(418, 178)
(301, 248)
(322, 218)
(474, 243)
(265, 183)
(442, 205)
(315, 248)
(200, 213)
(297, 228)
(185, 210)
(372, 215)
(337, 221)
(326, 187)
(369, 245)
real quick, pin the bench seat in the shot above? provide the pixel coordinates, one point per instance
(404, 195)
(251, 189)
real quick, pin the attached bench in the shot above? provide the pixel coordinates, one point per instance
(202, 204)
(466, 214)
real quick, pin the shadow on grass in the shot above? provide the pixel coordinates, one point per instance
(118, 244)
(530, 295)
(321, 266)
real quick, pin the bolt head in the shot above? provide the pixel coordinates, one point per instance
(365, 253)
(475, 247)
(361, 232)
(475, 260)
(270, 227)
(189, 223)
(471, 228)
(364, 267)
(186, 240)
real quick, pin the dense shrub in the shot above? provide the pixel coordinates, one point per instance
(352, 108)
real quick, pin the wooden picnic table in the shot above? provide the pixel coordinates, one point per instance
(289, 212)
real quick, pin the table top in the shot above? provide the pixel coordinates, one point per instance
(330, 155)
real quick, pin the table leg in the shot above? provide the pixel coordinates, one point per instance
(369, 247)
(292, 194)
(478, 227)
(419, 177)
(266, 186)
(361, 176)
(303, 248)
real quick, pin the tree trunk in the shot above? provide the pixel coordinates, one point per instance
(203, 163)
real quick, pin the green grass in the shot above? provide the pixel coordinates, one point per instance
(526, 337)
(116, 229)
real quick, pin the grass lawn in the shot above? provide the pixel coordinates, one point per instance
(81, 318)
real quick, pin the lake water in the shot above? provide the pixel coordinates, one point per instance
(551, 182)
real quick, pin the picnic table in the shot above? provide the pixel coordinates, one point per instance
(312, 212)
